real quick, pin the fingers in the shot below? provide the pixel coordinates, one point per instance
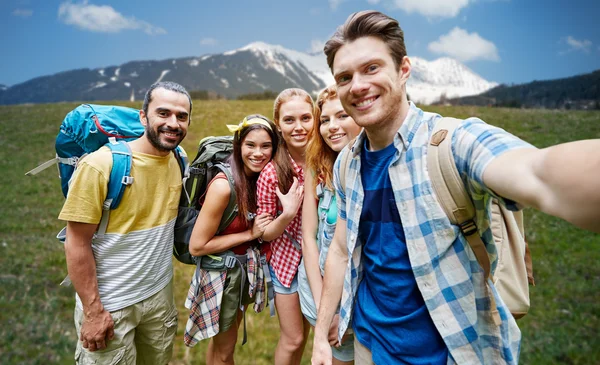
(93, 345)
(110, 334)
(100, 345)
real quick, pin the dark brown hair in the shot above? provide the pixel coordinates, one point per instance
(368, 23)
(245, 186)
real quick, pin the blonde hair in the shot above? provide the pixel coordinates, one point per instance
(319, 156)
(282, 162)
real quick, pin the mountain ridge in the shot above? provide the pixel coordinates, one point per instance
(254, 68)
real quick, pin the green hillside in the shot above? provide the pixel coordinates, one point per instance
(36, 314)
(576, 92)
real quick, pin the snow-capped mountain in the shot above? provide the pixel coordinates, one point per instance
(317, 64)
(444, 76)
(254, 68)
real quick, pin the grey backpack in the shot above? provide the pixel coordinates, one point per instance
(211, 159)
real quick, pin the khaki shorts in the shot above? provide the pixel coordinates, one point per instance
(144, 333)
(362, 355)
(230, 304)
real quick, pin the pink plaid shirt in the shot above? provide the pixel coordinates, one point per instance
(285, 258)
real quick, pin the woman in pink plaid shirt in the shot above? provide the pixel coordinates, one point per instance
(280, 189)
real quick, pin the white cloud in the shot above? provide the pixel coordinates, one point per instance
(577, 45)
(102, 18)
(23, 13)
(465, 46)
(208, 42)
(430, 8)
(333, 4)
(316, 45)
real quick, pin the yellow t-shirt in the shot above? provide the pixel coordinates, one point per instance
(133, 260)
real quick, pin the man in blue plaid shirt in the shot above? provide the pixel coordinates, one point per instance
(405, 275)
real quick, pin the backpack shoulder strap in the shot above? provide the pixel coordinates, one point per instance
(184, 162)
(232, 209)
(184, 165)
(346, 157)
(120, 177)
(450, 190)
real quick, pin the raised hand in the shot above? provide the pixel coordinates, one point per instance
(291, 201)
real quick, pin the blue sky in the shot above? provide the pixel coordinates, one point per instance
(507, 41)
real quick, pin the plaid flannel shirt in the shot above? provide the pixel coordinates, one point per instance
(206, 293)
(447, 273)
(285, 258)
(204, 302)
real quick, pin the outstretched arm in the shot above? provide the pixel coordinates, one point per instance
(98, 326)
(561, 180)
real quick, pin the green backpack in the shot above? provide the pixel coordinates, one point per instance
(211, 159)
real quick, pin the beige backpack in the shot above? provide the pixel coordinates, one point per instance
(514, 271)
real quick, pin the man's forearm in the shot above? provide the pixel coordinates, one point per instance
(561, 180)
(571, 171)
(81, 266)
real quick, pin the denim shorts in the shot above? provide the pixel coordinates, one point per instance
(278, 286)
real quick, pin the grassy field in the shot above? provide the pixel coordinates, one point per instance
(36, 313)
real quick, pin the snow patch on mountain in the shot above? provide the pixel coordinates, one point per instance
(445, 77)
(316, 64)
(162, 74)
(429, 81)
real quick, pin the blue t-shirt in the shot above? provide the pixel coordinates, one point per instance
(390, 316)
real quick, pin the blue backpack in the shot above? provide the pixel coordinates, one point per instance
(89, 127)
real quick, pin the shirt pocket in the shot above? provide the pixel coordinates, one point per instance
(174, 195)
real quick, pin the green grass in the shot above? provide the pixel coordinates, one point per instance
(36, 313)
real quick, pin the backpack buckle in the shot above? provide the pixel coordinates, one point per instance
(468, 228)
(230, 262)
(127, 180)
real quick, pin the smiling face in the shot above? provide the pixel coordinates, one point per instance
(336, 127)
(167, 120)
(370, 86)
(257, 149)
(295, 121)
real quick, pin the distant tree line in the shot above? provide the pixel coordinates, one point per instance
(205, 95)
(265, 95)
(578, 92)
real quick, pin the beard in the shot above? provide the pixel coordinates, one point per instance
(154, 138)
